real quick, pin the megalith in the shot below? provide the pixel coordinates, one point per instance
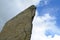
(20, 26)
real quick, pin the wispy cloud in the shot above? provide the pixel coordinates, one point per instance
(43, 26)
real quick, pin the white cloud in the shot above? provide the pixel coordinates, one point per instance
(23, 4)
(43, 23)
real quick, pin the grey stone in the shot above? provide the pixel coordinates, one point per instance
(20, 26)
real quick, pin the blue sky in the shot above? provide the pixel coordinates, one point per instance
(46, 23)
(52, 8)
(55, 4)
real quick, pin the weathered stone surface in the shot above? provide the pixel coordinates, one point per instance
(19, 27)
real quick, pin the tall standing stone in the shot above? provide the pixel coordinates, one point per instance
(19, 27)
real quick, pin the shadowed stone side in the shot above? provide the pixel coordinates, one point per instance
(19, 27)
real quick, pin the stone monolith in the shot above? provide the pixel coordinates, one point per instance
(20, 26)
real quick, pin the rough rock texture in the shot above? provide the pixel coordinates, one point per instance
(19, 27)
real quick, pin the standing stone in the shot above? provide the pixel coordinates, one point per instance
(19, 27)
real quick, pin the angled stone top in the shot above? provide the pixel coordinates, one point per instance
(20, 26)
